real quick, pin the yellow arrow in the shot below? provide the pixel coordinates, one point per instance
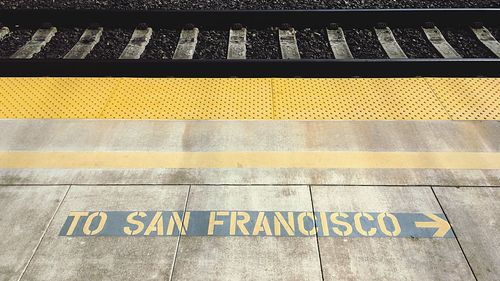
(442, 225)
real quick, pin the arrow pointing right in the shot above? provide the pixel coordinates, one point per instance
(442, 225)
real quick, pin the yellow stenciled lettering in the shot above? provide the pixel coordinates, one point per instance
(334, 218)
(212, 222)
(232, 224)
(262, 224)
(175, 220)
(324, 224)
(139, 224)
(103, 217)
(288, 225)
(383, 227)
(300, 222)
(359, 227)
(156, 225)
(235, 221)
(76, 217)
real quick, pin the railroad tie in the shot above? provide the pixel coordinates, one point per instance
(288, 43)
(41, 37)
(337, 42)
(138, 42)
(237, 47)
(484, 35)
(437, 39)
(388, 42)
(187, 43)
(84, 46)
(3, 32)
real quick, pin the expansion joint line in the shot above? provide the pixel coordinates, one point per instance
(181, 230)
(454, 234)
(437, 97)
(317, 237)
(43, 234)
(273, 103)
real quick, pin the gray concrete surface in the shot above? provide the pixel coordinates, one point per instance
(25, 214)
(144, 135)
(388, 258)
(29, 208)
(474, 214)
(254, 176)
(248, 258)
(108, 258)
(127, 135)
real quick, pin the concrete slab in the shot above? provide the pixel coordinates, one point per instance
(192, 136)
(146, 135)
(108, 258)
(386, 258)
(474, 214)
(26, 213)
(247, 257)
(254, 176)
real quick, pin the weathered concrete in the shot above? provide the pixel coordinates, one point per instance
(26, 212)
(387, 258)
(127, 135)
(145, 135)
(248, 258)
(474, 214)
(108, 258)
(254, 176)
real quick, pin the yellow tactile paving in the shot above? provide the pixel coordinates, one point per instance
(469, 98)
(359, 99)
(190, 99)
(53, 97)
(237, 98)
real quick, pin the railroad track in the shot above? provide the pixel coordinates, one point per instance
(189, 23)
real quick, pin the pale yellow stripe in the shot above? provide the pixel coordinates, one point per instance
(319, 160)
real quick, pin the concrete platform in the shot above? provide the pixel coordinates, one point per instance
(127, 176)
(108, 258)
(386, 258)
(248, 258)
(26, 214)
(474, 213)
(466, 141)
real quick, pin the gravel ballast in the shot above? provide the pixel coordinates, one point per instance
(364, 44)
(111, 45)
(243, 4)
(15, 40)
(466, 43)
(263, 44)
(414, 43)
(313, 44)
(212, 44)
(161, 45)
(495, 31)
(60, 44)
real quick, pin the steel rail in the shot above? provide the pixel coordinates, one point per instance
(252, 18)
(253, 68)
(223, 20)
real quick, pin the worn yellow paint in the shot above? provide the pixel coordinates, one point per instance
(442, 226)
(251, 98)
(315, 160)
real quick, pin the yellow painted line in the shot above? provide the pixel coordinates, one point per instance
(316, 160)
(251, 98)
